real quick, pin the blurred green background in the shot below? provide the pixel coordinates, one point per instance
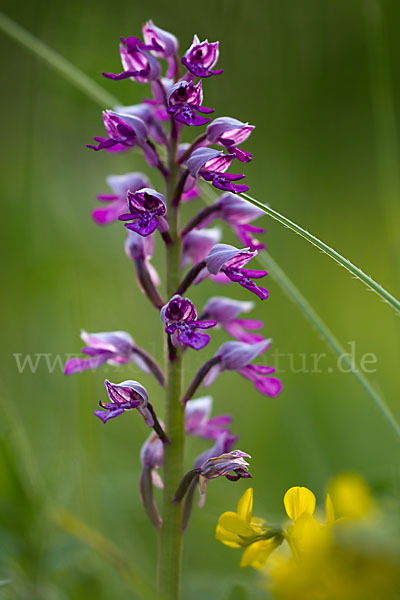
(321, 82)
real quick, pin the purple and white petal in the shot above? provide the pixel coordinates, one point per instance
(236, 355)
(125, 128)
(221, 254)
(128, 395)
(228, 131)
(199, 158)
(143, 111)
(143, 66)
(166, 41)
(201, 57)
(118, 342)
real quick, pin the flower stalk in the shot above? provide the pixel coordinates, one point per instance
(170, 536)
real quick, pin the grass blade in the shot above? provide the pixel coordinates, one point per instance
(341, 260)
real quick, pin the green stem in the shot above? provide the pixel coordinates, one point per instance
(170, 542)
(341, 260)
(69, 71)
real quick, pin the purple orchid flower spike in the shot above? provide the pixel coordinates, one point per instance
(112, 347)
(156, 127)
(166, 42)
(225, 311)
(115, 204)
(146, 211)
(184, 102)
(138, 64)
(211, 165)
(152, 457)
(179, 316)
(201, 57)
(229, 132)
(198, 243)
(226, 259)
(199, 423)
(124, 132)
(237, 356)
(125, 396)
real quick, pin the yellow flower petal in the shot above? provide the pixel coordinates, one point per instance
(256, 554)
(299, 500)
(245, 505)
(232, 523)
(227, 537)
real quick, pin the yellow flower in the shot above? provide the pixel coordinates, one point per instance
(305, 532)
(240, 529)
